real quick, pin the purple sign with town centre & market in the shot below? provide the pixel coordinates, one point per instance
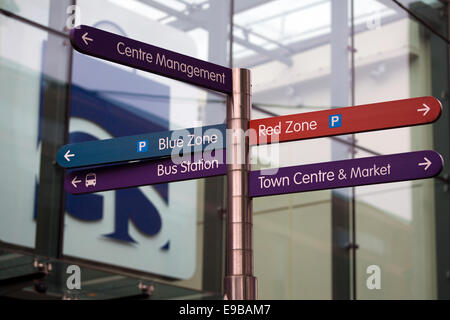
(346, 173)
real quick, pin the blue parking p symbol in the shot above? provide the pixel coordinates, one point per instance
(334, 121)
(142, 146)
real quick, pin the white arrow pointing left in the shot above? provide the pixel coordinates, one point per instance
(427, 163)
(75, 181)
(69, 155)
(86, 39)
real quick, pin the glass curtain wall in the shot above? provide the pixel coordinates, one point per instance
(314, 55)
(396, 224)
(304, 56)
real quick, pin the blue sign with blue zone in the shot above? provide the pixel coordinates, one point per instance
(144, 146)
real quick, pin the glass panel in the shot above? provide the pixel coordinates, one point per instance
(21, 56)
(395, 223)
(283, 44)
(34, 10)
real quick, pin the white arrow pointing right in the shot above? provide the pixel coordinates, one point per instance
(86, 39)
(426, 109)
(427, 163)
(75, 181)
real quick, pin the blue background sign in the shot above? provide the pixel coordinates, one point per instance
(143, 146)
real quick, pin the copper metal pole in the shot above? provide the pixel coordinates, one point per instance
(240, 284)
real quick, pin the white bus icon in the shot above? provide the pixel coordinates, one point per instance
(91, 179)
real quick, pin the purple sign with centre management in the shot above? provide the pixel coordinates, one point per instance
(346, 173)
(134, 174)
(139, 55)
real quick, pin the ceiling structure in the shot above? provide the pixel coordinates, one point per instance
(267, 30)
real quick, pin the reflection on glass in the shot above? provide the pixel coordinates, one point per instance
(108, 100)
(394, 222)
(292, 232)
(35, 10)
(21, 51)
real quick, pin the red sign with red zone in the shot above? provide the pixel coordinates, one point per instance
(368, 117)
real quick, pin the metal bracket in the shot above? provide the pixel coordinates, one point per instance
(40, 284)
(222, 212)
(42, 266)
(68, 295)
(351, 246)
(147, 289)
(446, 180)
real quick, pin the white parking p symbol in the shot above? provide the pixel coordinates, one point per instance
(142, 146)
(334, 121)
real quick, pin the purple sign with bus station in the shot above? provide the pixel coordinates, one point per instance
(133, 174)
(346, 173)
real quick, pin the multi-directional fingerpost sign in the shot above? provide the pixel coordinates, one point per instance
(194, 153)
(187, 161)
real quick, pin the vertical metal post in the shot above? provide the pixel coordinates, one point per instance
(240, 284)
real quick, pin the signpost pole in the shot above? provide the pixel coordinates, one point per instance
(239, 283)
